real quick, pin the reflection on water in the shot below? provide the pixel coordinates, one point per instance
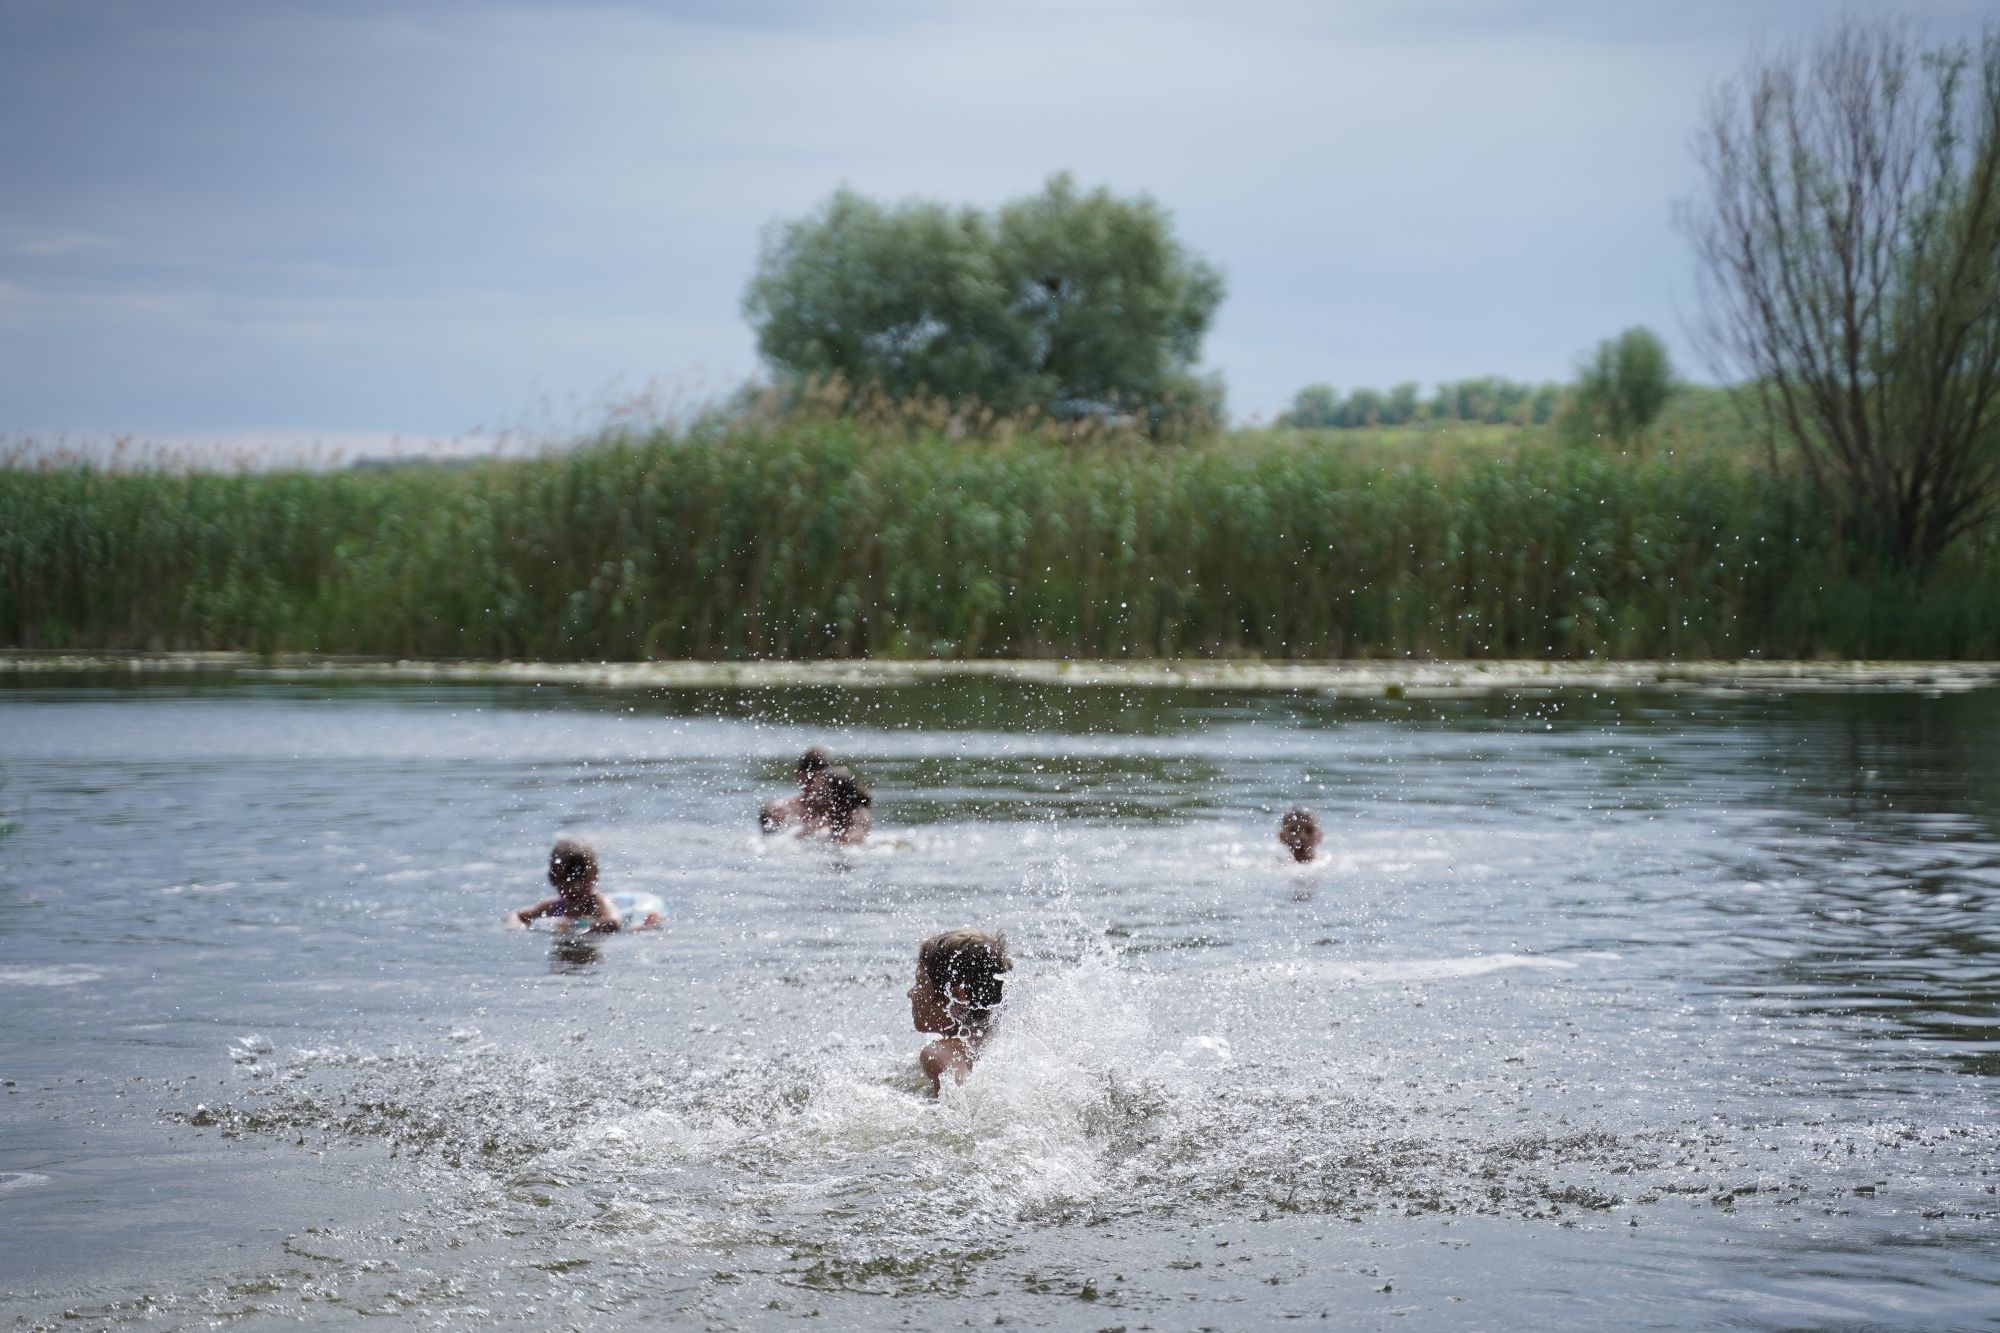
(1867, 901)
(573, 954)
(1591, 1006)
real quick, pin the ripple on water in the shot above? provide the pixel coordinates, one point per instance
(1663, 966)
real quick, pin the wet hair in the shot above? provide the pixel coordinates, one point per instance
(838, 794)
(1298, 830)
(571, 862)
(972, 958)
(814, 760)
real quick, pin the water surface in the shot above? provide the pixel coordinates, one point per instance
(1662, 1010)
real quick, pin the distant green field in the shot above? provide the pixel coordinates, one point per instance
(835, 538)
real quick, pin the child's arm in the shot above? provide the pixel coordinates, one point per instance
(945, 1055)
(521, 916)
(605, 918)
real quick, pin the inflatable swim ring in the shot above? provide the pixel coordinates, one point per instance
(637, 911)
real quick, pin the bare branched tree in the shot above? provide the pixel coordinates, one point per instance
(1849, 252)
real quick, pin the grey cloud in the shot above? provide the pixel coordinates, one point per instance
(380, 216)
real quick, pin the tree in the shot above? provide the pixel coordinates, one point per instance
(1622, 387)
(1364, 407)
(1848, 239)
(901, 299)
(1112, 308)
(1313, 408)
(1071, 302)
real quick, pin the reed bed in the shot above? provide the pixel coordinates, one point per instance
(832, 535)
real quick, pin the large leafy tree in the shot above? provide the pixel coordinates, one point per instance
(1068, 301)
(1849, 246)
(1621, 388)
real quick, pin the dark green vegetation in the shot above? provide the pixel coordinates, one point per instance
(1065, 303)
(839, 535)
(1488, 400)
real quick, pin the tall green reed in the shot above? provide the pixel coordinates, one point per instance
(837, 534)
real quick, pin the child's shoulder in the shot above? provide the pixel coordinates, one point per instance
(946, 1055)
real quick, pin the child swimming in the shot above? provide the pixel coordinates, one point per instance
(1300, 832)
(776, 814)
(573, 872)
(836, 804)
(957, 996)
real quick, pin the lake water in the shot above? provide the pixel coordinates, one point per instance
(1657, 1010)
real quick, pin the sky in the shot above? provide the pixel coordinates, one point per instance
(282, 220)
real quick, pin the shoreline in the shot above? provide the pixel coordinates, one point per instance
(1340, 679)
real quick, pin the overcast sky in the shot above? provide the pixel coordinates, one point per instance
(446, 218)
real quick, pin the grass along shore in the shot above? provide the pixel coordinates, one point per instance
(848, 538)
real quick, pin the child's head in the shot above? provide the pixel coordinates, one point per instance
(1299, 830)
(815, 760)
(572, 867)
(959, 981)
(834, 795)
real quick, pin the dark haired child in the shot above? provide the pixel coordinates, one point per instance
(776, 814)
(573, 873)
(836, 804)
(1300, 832)
(957, 996)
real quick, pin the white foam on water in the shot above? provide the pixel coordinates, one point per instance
(1108, 1091)
(1039, 1106)
(1031, 1127)
(51, 974)
(1338, 861)
(197, 886)
(665, 1136)
(1421, 969)
(880, 842)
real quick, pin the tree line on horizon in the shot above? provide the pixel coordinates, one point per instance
(1618, 393)
(1483, 400)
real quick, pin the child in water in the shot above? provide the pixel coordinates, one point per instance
(573, 872)
(776, 814)
(1299, 831)
(836, 804)
(957, 996)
